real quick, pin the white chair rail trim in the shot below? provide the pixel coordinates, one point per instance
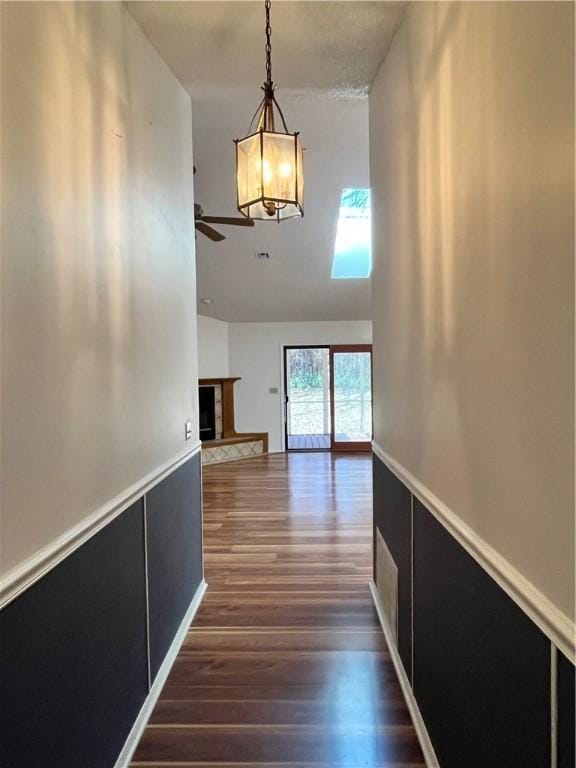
(558, 627)
(27, 573)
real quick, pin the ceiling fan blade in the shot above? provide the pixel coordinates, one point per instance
(208, 231)
(229, 221)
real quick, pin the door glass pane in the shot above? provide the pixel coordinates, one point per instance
(308, 391)
(352, 397)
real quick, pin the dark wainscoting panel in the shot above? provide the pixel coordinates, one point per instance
(73, 666)
(566, 714)
(174, 535)
(481, 667)
(392, 516)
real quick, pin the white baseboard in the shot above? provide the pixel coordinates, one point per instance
(144, 715)
(411, 703)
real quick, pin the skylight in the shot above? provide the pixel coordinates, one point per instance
(352, 255)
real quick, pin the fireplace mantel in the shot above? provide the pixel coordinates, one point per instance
(202, 382)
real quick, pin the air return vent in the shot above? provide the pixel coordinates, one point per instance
(387, 584)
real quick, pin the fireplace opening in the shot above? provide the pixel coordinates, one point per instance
(206, 396)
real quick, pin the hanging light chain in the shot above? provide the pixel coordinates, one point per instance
(267, 5)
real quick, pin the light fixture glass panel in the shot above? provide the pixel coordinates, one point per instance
(299, 172)
(249, 176)
(352, 251)
(279, 166)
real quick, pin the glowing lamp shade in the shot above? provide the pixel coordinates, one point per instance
(269, 175)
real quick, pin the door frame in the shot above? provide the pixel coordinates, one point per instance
(364, 446)
(342, 447)
(285, 348)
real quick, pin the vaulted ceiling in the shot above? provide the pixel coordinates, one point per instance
(325, 55)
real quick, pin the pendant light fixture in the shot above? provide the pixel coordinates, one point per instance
(269, 179)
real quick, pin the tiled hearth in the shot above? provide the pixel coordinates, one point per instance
(228, 444)
(220, 450)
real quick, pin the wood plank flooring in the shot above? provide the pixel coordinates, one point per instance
(285, 665)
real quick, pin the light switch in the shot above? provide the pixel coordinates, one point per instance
(188, 430)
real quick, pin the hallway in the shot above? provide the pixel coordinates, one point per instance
(285, 663)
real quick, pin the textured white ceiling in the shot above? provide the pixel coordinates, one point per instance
(325, 55)
(323, 46)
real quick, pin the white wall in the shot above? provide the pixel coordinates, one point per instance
(212, 348)
(472, 169)
(98, 276)
(256, 355)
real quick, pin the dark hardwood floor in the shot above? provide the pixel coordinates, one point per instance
(285, 665)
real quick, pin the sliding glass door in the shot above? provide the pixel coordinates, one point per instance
(328, 398)
(351, 397)
(307, 398)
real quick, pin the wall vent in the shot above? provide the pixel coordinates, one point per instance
(387, 584)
